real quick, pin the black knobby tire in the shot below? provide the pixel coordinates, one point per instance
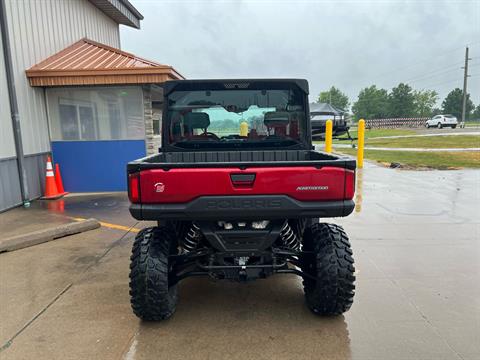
(150, 295)
(332, 265)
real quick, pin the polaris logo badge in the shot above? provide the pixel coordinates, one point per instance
(159, 187)
(312, 188)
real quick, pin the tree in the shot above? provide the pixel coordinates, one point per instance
(401, 101)
(424, 101)
(476, 113)
(372, 103)
(334, 97)
(453, 104)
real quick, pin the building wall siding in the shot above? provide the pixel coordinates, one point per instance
(7, 143)
(10, 194)
(35, 167)
(38, 29)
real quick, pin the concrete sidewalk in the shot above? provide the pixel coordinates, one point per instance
(22, 220)
(46, 220)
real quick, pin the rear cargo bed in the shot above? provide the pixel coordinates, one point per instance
(241, 158)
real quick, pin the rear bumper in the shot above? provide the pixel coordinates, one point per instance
(242, 207)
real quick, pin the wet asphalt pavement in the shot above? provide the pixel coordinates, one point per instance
(416, 241)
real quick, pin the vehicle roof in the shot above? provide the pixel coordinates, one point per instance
(325, 109)
(233, 83)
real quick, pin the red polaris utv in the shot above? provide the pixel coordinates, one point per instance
(237, 190)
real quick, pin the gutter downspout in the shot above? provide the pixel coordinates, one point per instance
(12, 96)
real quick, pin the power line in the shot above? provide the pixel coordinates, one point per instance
(443, 53)
(441, 83)
(435, 73)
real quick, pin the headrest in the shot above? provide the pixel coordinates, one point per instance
(197, 120)
(273, 118)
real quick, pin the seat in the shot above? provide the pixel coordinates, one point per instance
(278, 121)
(196, 120)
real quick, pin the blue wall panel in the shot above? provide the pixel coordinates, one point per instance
(90, 166)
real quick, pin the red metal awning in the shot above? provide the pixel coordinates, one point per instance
(87, 62)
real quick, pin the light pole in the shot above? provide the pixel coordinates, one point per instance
(465, 77)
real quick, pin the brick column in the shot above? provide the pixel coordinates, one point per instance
(148, 116)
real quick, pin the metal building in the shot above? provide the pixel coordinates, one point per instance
(38, 113)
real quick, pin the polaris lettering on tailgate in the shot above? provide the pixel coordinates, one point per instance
(243, 204)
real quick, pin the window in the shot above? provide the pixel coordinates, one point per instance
(69, 125)
(214, 118)
(114, 117)
(101, 113)
(79, 120)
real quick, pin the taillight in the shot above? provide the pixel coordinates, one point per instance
(349, 184)
(134, 187)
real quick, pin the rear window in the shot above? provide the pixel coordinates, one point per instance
(223, 118)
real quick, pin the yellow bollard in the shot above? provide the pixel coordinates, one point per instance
(328, 136)
(361, 143)
(244, 129)
(359, 191)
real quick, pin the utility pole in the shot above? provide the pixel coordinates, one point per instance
(465, 77)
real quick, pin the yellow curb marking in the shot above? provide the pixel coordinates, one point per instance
(112, 226)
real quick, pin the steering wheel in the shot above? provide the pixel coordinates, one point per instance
(214, 136)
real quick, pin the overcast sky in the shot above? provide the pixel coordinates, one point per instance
(348, 44)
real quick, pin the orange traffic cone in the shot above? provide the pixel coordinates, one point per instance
(58, 180)
(51, 191)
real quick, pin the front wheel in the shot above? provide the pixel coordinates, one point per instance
(151, 297)
(332, 265)
(454, 126)
(427, 126)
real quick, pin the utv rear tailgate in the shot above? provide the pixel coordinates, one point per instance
(247, 192)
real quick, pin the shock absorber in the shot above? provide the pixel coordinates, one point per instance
(288, 237)
(191, 239)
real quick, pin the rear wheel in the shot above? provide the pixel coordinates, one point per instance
(332, 265)
(151, 296)
(454, 126)
(439, 125)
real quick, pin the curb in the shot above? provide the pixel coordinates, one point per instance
(41, 236)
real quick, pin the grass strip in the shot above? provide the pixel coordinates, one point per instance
(414, 159)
